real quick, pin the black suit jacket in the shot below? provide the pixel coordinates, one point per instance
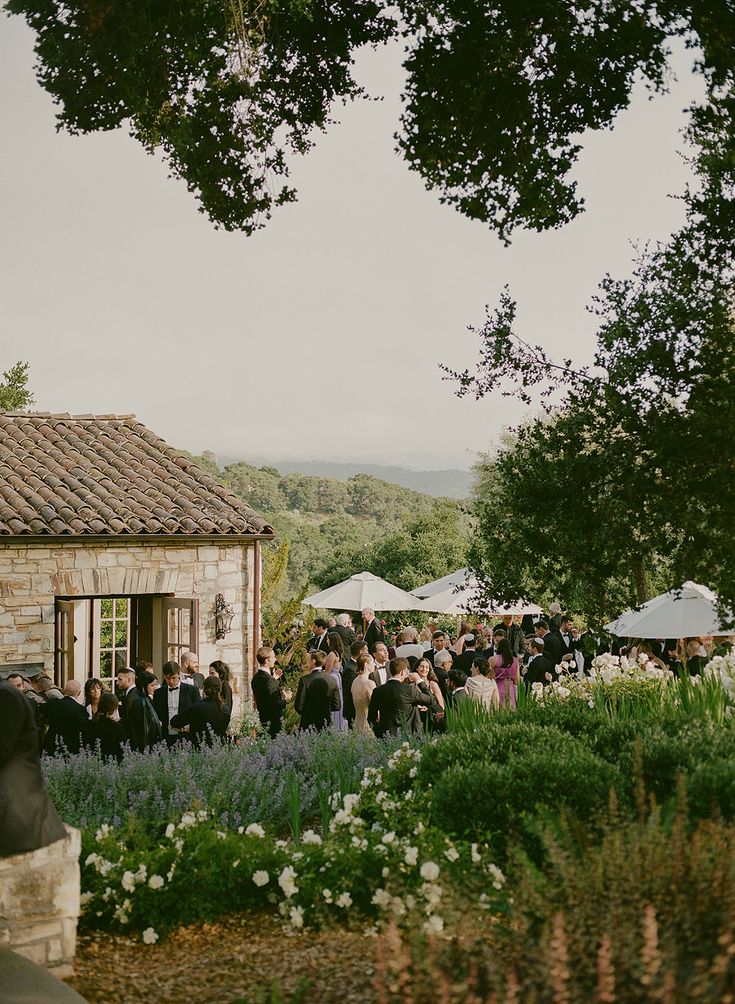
(394, 707)
(373, 634)
(28, 820)
(553, 647)
(537, 669)
(464, 661)
(205, 720)
(316, 698)
(67, 720)
(567, 647)
(347, 635)
(458, 698)
(189, 695)
(269, 701)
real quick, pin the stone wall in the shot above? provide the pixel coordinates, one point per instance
(32, 575)
(39, 903)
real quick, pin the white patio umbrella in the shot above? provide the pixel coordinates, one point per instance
(461, 577)
(455, 602)
(363, 590)
(690, 611)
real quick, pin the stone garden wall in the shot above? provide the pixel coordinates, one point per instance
(39, 903)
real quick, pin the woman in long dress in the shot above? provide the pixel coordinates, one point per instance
(507, 673)
(362, 691)
(426, 672)
(333, 665)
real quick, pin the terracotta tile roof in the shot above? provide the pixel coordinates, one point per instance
(109, 475)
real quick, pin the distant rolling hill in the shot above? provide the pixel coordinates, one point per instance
(454, 484)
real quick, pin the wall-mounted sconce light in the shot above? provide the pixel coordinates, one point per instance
(223, 616)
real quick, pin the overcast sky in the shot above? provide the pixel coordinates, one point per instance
(319, 337)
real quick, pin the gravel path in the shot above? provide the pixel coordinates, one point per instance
(232, 962)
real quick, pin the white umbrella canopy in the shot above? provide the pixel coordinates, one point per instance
(459, 578)
(363, 590)
(455, 602)
(690, 611)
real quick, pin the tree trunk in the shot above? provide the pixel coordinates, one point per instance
(642, 582)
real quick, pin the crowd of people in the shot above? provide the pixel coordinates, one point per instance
(185, 707)
(350, 679)
(407, 683)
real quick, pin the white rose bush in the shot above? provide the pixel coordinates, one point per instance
(377, 862)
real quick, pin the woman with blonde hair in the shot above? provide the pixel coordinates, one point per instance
(362, 691)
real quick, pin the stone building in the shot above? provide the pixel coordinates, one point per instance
(114, 547)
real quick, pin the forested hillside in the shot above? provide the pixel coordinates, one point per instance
(336, 528)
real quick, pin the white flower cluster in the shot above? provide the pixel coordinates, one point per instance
(606, 671)
(722, 668)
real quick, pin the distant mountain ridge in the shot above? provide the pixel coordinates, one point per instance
(455, 484)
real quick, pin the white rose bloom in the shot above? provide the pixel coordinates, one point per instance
(388, 838)
(381, 898)
(475, 855)
(150, 937)
(128, 882)
(434, 925)
(254, 830)
(286, 881)
(155, 882)
(429, 871)
(170, 830)
(261, 878)
(344, 900)
(296, 916)
(451, 854)
(309, 837)
(411, 856)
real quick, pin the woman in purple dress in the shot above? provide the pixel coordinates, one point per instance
(507, 673)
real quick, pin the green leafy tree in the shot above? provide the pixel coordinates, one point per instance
(261, 487)
(423, 547)
(495, 100)
(635, 462)
(15, 394)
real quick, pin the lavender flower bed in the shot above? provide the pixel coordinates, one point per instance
(254, 782)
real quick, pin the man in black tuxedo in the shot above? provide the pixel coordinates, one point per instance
(569, 636)
(552, 642)
(190, 674)
(270, 701)
(438, 644)
(394, 707)
(468, 656)
(539, 669)
(28, 820)
(381, 673)
(318, 641)
(317, 696)
(456, 683)
(171, 699)
(373, 631)
(66, 720)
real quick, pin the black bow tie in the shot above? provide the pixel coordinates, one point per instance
(172, 689)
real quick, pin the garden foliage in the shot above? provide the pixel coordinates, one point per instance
(598, 840)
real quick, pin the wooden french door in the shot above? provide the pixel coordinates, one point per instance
(63, 642)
